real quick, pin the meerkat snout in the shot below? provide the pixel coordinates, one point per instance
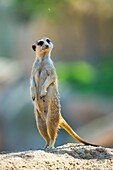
(46, 46)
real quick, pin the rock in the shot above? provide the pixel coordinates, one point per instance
(67, 157)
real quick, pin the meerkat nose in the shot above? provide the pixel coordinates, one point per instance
(34, 47)
(46, 46)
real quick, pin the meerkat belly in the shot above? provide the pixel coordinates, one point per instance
(47, 102)
(50, 103)
(54, 108)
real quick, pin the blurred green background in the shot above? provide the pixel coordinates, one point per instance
(82, 33)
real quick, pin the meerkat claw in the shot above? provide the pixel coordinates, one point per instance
(43, 93)
(33, 98)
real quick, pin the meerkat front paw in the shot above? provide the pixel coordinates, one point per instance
(33, 98)
(33, 93)
(43, 93)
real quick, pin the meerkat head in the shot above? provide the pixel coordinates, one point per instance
(42, 46)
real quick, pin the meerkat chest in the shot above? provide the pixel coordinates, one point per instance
(42, 75)
(44, 70)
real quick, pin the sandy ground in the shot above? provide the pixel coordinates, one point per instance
(66, 157)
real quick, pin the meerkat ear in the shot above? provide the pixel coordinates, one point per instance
(34, 47)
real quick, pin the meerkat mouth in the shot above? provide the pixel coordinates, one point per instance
(45, 50)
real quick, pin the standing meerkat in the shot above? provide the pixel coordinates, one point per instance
(45, 95)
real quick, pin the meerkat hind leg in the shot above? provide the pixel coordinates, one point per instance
(52, 129)
(51, 144)
(41, 125)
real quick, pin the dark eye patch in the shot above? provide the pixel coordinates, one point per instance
(34, 47)
(40, 43)
(48, 41)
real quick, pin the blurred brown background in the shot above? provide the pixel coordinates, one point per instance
(82, 33)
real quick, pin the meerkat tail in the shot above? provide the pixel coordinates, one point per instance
(65, 126)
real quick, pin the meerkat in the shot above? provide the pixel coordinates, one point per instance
(45, 95)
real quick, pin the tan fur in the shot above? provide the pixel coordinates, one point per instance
(44, 91)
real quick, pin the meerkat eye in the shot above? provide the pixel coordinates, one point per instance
(40, 43)
(48, 41)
